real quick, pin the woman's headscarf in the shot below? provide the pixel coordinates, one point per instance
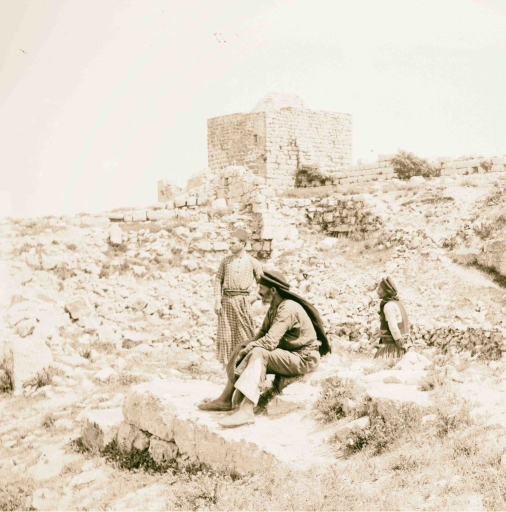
(273, 279)
(389, 287)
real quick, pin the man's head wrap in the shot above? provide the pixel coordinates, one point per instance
(240, 234)
(275, 279)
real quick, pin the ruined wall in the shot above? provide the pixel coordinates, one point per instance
(167, 190)
(305, 137)
(275, 144)
(237, 139)
(383, 169)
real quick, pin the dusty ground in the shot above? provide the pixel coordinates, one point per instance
(41, 467)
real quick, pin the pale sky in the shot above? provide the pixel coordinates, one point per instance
(99, 99)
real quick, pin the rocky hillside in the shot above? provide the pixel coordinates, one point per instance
(94, 306)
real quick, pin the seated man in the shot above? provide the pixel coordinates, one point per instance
(289, 343)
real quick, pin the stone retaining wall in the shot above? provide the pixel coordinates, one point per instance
(479, 340)
(383, 169)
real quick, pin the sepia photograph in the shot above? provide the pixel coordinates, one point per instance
(253, 255)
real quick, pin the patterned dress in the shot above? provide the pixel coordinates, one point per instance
(236, 277)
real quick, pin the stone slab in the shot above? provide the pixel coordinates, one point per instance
(167, 409)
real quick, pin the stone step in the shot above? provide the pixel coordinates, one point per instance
(167, 409)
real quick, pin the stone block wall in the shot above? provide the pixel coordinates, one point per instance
(237, 185)
(344, 215)
(488, 342)
(383, 169)
(167, 190)
(237, 139)
(275, 144)
(297, 137)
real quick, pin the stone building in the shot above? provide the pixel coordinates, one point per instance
(279, 136)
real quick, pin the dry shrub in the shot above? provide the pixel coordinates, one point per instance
(385, 434)
(407, 165)
(332, 402)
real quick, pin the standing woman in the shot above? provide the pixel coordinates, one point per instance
(234, 293)
(394, 323)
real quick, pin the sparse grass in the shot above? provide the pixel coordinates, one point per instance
(18, 251)
(62, 272)
(434, 379)
(85, 352)
(39, 228)
(492, 273)
(310, 192)
(134, 460)
(48, 421)
(130, 379)
(43, 378)
(469, 182)
(384, 434)
(16, 491)
(451, 413)
(5, 381)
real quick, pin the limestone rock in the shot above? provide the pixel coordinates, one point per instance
(328, 243)
(295, 396)
(106, 375)
(100, 427)
(115, 235)
(167, 410)
(26, 327)
(389, 399)
(344, 431)
(49, 465)
(24, 358)
(129, 436)
(162, 451)
(79, 307)
(413, 361)
(219, 204)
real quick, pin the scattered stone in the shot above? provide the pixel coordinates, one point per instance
(79, 307)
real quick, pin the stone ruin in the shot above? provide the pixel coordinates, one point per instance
(278, 137)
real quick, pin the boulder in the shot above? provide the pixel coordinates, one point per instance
(24, 358)
(219, 204)
(417, 180)
(388, 400)
(413, 361)
(167, 409)
(295, 396)
(130, 437)
(26, 327)
(100, 427)
(162, 451)
(49, 465)
(343, 432)
(328, 243)
(115, 235)
(79, 307)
